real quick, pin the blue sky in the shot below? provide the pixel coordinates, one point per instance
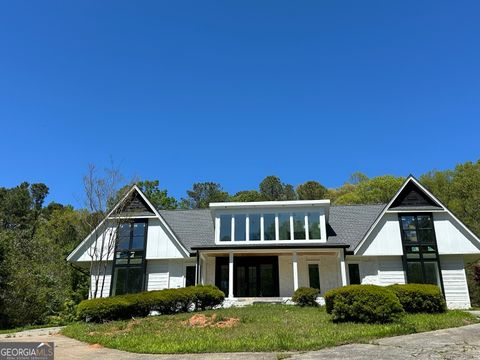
(232, 91)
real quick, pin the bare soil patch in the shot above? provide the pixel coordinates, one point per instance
(200, 320)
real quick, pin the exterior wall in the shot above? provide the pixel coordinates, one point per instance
(285, 274)
(385, 270)
(157, 277)
(452, 238)
(385, 239)
(455, 282)
(166, 274)
(159, 243)
(106, 283)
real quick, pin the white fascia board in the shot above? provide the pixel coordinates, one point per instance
(269, 204)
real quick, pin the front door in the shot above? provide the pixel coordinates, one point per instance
(254, 276)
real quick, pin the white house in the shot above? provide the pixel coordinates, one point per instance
(269, 249)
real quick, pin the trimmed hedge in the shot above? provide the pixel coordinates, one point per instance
(363, 303)
(168, 301)
(306, 296)
(416, 298)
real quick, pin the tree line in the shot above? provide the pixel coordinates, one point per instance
(37, 285)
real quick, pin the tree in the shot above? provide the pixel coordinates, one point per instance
(311, 190)
(377, 190)
(247, 196)
(272, 189)
(202, 194)
(99, 194)
(158, 197)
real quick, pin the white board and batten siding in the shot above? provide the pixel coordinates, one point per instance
(160, 245)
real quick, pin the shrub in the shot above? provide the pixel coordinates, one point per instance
(417, 298)
(363, 303)
(306, 296)
(167, 301)
(206, 296)
(103, 309)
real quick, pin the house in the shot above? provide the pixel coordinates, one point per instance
(269, 249)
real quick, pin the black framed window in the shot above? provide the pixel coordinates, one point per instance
(420, 252)
(354, 274)
(129, 260)
(314, 276)
(190, 275)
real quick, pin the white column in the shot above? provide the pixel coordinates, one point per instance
(230, 276)
(295, 271)
(343, 267)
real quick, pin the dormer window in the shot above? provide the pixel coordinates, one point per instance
(282, 225)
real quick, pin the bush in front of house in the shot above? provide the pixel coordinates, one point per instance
(104, 309)
(416, 298)
(363, 303)
(306, 296)
(207, 296)
(167, 301)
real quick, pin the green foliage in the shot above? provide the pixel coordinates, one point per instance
(417, 298)
(306, 296)
(103, 309)
(202, 194)
(167, 301)
(272, 189)
(369, 191)
(207, 297)
(363, 303)
(158, 197)
(247, 196)
(311, 190)
(35, 280)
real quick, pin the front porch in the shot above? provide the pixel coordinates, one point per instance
(250, 274)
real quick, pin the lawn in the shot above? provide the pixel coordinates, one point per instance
(252, 328)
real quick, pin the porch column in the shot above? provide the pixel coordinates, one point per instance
(295, 271)
(343, 267)
(197, 268)
(230, 275)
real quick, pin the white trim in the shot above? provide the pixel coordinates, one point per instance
(269, 204)
(429, 194)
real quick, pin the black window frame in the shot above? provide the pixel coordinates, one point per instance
(193, 272)
(128, 265)
(357, 273)
(421, 244)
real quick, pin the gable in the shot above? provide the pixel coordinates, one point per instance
(135, 205)
(411, 196)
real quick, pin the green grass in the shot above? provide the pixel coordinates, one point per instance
(261, 328)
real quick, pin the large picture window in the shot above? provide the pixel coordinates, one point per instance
(129, 260)
(278, 226)
(420, 249)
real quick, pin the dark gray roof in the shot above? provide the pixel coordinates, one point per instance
(350, 223)
(192, 227)
(347, 225)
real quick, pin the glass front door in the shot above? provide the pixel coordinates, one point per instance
(254, 276)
